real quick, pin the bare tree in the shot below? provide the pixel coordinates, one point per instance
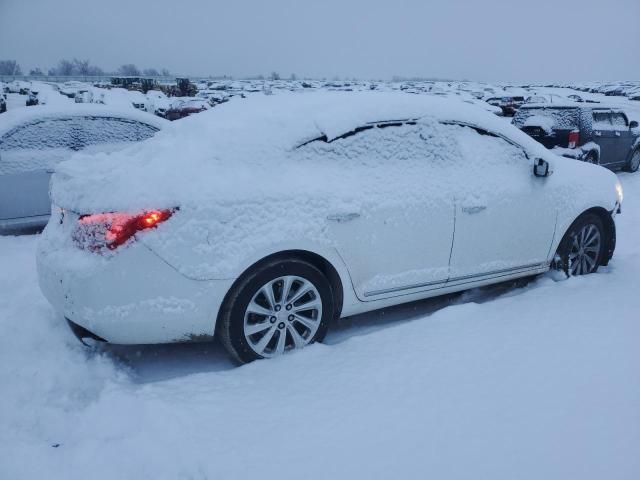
(64, 68)
(151, 72)
(129, 70)
(81, 67)
(10, 67)
(165, 72)
(274, 76)
(36, 71)
(94, 71)
(75, 67)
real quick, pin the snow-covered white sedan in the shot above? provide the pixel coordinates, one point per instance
(34, 140)
(261, 221)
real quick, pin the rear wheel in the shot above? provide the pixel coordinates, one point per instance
(281, 306)
(591, 158)
(582, 249)
(634, 162)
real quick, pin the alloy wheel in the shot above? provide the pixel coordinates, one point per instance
(584, 254)
(283, 314)
(635, 161)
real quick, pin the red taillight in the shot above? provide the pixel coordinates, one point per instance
(574, 138)
(110, 230)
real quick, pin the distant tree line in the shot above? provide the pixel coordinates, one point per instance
(10, 67)
(83, 68)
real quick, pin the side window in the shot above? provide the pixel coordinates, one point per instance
(105, 130)
(483, 150)
(371, 146)
(602, 121)
(39, 135)
(619, 121)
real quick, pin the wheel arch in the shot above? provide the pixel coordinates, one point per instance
(610, 230)
(595, 152)
(317, 260)
(634, 149)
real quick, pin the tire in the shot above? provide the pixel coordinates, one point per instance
(634, 162)
(253, 326)
(582, 248)
(591, 158)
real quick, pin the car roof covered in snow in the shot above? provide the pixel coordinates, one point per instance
(231, 150)
(287, 120)
(20, 116)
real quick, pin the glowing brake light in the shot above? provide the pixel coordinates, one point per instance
(110, 230)
(574, 138)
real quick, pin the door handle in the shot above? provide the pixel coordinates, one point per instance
(343, 217)
(474, 209)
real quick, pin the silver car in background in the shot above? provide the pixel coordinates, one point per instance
(34, 140)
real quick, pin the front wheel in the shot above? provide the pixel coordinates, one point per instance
(283, 305)
(582, 248)
(634, 162)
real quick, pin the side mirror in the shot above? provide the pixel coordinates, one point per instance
(541, 168)
(633, 124)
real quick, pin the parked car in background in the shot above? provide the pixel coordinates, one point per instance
(138, 100)
(485, 106)
(34, 140)
(157, 102)
(508, 104)
(3, 103)
(593, 134)
(181, 108)
(262, 221)
(83, 95)
(545, 98)
(33, 99)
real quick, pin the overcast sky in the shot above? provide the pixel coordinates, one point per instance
(508, 40)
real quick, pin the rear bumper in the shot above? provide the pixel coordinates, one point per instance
(132, 297)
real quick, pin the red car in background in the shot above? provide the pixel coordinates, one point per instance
(184, 107)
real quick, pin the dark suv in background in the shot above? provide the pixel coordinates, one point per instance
(593, 134)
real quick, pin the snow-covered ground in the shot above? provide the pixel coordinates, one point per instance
(510, 382)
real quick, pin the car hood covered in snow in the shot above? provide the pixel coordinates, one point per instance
(244, 149)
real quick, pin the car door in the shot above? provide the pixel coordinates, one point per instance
(623, 136)
(394, 238)
(28, 155)
(505, 217)
(606, 136)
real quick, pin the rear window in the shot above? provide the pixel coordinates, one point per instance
(39, 135)
(108, 130)
(557, 118)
